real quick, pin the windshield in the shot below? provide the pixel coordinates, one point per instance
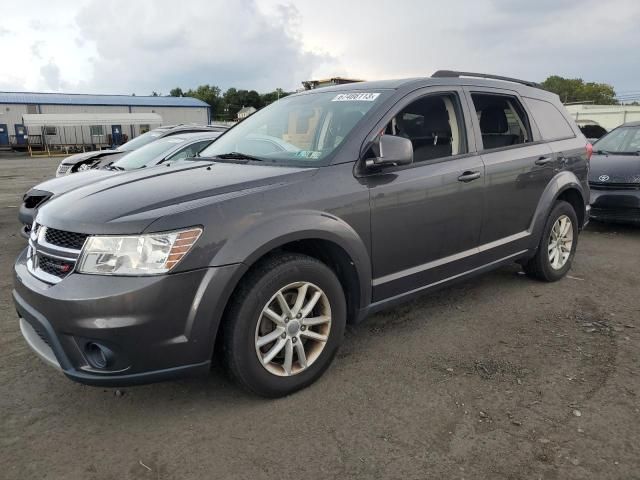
(151, 152)
(139, 141)
(620, 141)
(300, 130)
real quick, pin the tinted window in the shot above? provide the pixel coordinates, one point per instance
(433, 124)
(550, 121)
(503, 121)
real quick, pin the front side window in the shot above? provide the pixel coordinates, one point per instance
(300, 130)
(191, 151)
(434, 125)
(621, 141)
(503, 121)
(148, 153)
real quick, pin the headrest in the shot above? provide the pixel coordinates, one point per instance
(493, 120)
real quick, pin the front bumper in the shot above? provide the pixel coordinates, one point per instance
(616, 205)
(157, 327)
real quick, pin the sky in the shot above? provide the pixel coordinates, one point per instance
(141, 46)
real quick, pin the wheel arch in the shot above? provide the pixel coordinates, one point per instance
(564, 186)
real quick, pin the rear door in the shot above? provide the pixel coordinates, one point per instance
(518, 167)
(426, 217)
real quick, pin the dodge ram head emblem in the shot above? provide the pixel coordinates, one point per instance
(603, 178)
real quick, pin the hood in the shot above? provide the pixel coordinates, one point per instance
(129, 202)
(60, 185)
(81, 157)
(615, 169)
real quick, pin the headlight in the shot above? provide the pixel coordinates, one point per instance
(136, 255)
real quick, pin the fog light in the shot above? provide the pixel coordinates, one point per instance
(98, 355)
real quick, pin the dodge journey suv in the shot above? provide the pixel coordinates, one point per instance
(316, 211)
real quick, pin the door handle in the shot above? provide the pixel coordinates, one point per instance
(543, 160)
(469, 176)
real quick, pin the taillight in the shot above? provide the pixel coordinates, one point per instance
(589, 151)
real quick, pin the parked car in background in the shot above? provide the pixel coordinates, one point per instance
(592, 130)
(615, 175)
(84, 161)
(168, 149)
(369, 195)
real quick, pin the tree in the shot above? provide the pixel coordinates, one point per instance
(176, 92)
(576, 90)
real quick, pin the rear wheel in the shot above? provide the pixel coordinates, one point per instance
(284, 325)
(557, 245)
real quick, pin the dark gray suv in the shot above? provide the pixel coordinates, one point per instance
(316, 211)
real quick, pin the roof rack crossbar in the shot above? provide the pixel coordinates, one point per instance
(453, 73)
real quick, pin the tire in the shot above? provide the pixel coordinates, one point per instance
(545, 265)
(246, 325)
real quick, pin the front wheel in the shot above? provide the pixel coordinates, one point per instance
(557, 246)
(284, 325)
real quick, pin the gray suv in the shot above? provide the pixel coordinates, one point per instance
(315, 212)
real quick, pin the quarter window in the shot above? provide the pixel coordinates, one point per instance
(503, 121)
(550, 121)
(433, 124)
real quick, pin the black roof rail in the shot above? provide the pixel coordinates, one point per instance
(453, 73)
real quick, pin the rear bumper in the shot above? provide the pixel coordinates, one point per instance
(157, 327)
(615, 205)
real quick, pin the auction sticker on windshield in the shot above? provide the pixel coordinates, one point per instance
(355, 97)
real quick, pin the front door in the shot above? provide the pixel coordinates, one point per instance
(22, 137)
(4, 135)
(116, 134)
(426, 218)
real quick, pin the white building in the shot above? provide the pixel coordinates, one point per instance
(244, 112)
(118, 108)
(607, 116)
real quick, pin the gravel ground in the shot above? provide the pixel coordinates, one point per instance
(500, 377)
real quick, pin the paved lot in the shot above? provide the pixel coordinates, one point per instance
(498, 378)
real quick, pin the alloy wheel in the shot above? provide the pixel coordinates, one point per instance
(560, 242)
(293, 329)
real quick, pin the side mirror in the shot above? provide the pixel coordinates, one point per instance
(392, 151)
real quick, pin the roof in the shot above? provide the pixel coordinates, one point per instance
(419, 82)
(85, 99)
(78, 119)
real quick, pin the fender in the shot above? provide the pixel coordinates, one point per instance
(562, 181)
(249, 245)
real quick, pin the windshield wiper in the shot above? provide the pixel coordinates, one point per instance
(238, 156)
(113, 167)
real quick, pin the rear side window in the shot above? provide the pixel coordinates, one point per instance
(550, 121)
(503, 121)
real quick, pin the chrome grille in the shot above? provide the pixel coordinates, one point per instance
(52, 254)
(62, 170)
(60, 238)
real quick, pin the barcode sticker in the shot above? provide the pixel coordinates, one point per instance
(355, 97)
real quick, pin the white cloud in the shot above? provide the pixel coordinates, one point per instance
(142, 46)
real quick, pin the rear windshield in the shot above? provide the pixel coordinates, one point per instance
(139, 141)
(621, 141)
(149, 153)
(301, 130)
